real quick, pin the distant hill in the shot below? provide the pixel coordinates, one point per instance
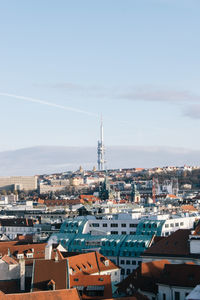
(49, 159)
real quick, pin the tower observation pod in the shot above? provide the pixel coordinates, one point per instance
(101, 150)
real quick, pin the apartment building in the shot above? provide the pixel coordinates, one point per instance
(26, 183)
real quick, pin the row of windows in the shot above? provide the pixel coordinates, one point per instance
(114, 225)
(123, 232)
(127, 271)
(128, 262)
(174, 225)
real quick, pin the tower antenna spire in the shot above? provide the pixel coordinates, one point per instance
(101, 149)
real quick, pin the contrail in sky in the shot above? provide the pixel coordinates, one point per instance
(69, 108)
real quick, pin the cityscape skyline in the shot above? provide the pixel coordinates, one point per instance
(137, 68)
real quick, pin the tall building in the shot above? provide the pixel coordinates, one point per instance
(18, 183)
(101, 150)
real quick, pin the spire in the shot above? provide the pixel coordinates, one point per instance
(101, 149)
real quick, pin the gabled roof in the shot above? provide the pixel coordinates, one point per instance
(71, 294)
(47, 270)
(144, 278)
(90, 263)
(176, 244)
(14, 248)
(188, 207)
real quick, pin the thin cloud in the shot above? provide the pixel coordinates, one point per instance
(193, 112)
(172, 96)
(144, 93)
(38, 101)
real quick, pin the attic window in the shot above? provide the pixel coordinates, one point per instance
(101, 279)
(89, 265)
(75, 279)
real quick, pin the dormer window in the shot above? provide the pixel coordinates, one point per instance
(29, 255)
(20, 255)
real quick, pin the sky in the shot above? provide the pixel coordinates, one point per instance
(64, 63)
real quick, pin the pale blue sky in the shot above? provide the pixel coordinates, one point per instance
(137, 62)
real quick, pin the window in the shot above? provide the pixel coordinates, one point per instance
(176, 224)
(128, 262)
(132, 225)
(182, 223)
(163, 296)
(122, 262)
(114, 225)
(114, 232)
(123, 225)
(166, 225)
(177, 296)
(105, 225)
(122, 272)
(128, 271)
(133, 262)
(172, 225)
(166, 233)
(95, 224)
(132, 232)
(123, 232)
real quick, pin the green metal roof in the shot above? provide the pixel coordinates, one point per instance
(150, 227)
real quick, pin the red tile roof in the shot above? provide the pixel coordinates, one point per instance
(47, 270)
(9, 260)
(71, 294)
(14, 248)
(92, 280)
(90, 263)
(188, 208)
(176, 244)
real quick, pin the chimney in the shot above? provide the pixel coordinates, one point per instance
(22, 274)
(56, 256)
(48, 250)
(9, 252)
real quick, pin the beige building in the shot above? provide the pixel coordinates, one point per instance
(18, 183)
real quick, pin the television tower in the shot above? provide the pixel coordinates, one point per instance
(101, 150)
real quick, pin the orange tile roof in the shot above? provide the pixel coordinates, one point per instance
(171, 196)
(94, 280)
(9, 260)
(90, 263)
(39, 249)
(188, 208)
(70, 294)
(153, 268)
(175, 244)
(46, 270)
